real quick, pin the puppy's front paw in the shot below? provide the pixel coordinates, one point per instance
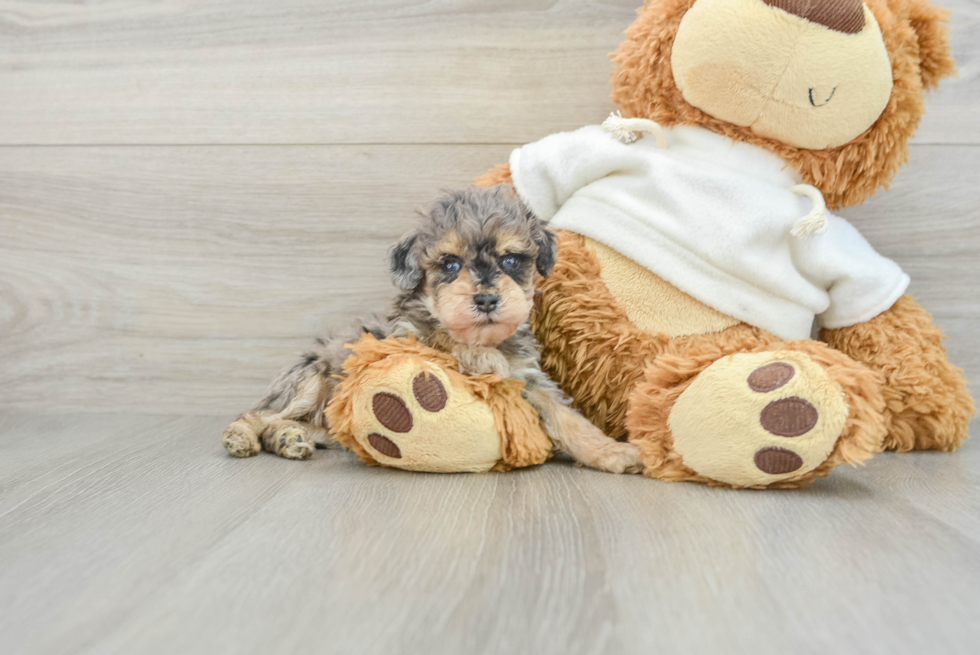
(618, 457)
(477, 360)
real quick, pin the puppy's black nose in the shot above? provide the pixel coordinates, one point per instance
(486, 302)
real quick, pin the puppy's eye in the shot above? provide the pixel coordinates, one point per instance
(510, 263)
(451, 265)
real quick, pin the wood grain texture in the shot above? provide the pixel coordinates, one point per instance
(344, 71)
(139, 535)
(180, 279)
(305, 71)
(167, 281)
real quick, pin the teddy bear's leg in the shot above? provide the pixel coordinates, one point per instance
(928, 406)
(778, 416)
(409, 415)
(407, 406)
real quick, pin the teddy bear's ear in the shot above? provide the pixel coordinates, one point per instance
(929, 23)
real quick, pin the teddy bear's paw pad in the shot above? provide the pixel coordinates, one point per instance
(413, 417)
(392, 412)
(789, 417)
(777, 461)
(291, 443)
(384, 445)
(753, 419)
(429, 392)
(771, 376)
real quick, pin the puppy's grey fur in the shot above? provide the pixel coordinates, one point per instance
(466, 278)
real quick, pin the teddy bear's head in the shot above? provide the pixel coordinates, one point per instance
(835, 87)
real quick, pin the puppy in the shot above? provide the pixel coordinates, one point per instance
(466, 277)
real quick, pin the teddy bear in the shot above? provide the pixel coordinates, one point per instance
(698, 249)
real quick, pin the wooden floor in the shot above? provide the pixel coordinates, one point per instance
(122, 534)
(190, 190)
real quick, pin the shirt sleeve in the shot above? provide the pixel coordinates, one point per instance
(860, 282)
(548, 172)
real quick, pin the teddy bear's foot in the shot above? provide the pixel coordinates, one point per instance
(412, 417)
(406, 405)
(753, 419)
(774, 418)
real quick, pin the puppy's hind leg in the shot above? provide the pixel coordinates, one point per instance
(289, 439)
(256, 430)
(289, 421)
(241, 438)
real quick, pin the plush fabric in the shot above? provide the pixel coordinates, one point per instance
(915, 37)
(718, 426)
(673, 373)
(634, 367)
(781, 75)
(651, 303)
(713, 218)
(627, 380)
(482, 423)
(928, 405)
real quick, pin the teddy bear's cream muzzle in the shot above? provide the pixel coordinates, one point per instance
(784, 76)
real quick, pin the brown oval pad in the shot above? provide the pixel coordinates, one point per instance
(430, 392)
(392, 412)
(776, 461)
(789, 417)
(771, 376)
(384, 445)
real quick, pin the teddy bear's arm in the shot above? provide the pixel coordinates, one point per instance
(928, 405)
(499, 174)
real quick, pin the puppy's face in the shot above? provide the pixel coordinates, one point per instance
(480, 288)
(473, 263)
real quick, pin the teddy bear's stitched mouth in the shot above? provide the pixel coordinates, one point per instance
(832, 92)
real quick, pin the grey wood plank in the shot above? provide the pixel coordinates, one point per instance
(951, 109)
(180, 279)
(159, 543)
(159, 275)
(305, 71)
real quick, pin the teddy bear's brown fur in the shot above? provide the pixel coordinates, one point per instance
(915, 37)
(901, 390)
(522, 441)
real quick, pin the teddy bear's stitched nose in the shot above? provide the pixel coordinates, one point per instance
(841, 15)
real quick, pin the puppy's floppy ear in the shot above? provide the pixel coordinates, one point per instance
(547, 248)
(405, 270)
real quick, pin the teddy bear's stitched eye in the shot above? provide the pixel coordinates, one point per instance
(451, 265)
(510, 263)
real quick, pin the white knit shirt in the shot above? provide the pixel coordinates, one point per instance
(713, 218)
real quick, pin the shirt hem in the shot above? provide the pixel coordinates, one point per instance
(876, 309)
